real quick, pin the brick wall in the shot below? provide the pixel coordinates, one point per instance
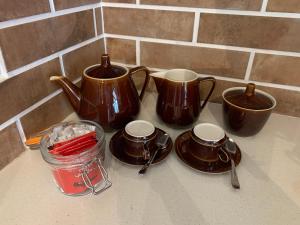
(39, 39)
(236, 41)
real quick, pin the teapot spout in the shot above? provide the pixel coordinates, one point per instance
(70, 89)
(158, 80)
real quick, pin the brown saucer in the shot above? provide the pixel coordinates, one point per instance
(116, 146)
(182, 147)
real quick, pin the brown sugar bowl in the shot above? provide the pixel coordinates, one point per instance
(246, 109)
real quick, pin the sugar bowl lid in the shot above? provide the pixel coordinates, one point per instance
(249, 98)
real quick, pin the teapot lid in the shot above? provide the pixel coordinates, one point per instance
(106, 70)
(249, 99)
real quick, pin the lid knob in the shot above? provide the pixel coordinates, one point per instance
(250, 90)
(105, 61)
(106, 70)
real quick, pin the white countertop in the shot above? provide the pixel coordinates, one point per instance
(170, 193)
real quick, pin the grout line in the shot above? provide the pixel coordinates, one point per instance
(183, 43)
(196, 27)
(103, 29)
(280, 86)
(102, 21)
(249, 66)
(21, 130)
(201, 10)
(272, 85)
(205, 45)
(32, 107)
(3, 70)
(138, 2)
(62, 68)
(128, 65)
(264, 6)
(53, 56)
(29, 109)
(105, 45)
(24, 20)
(95, 23)
(52, 6)
(78, 79)
(138, 52)
(32, 65)
(43, 16)
(7, 123)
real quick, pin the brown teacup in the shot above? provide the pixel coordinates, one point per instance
(207, 141)
(139, 136)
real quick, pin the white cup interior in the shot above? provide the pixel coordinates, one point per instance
(181, 75)
(139, 128)
(209, 132)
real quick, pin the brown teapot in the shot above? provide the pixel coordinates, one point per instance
(107, 95)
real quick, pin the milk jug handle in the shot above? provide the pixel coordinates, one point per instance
(213, 81)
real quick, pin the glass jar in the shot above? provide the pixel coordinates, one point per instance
(81, 173)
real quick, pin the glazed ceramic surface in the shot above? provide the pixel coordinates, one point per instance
(108, 97)
(179, 97)
(246, 110)
(123, 151)
(139, 139)
(206, 142)
(184, 150)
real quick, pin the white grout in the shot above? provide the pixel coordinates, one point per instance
(54, 13)
(105, 44)
(24, 20)
(52, 7)
(138, 2)
(131, 65)
(61, 63)
(196, 27)
(29, 109)
(32, 107)
(78, 79)
(201, 10)
(102, 21)
(3, 70)
(138, 52)
(32, 65)
(21, 131)
(249, 66)
(264, 6)
(43, 16)
(95, 22)
(205, 45)
(272, 85)
(53, 56)
(265, 84)
(103, 30)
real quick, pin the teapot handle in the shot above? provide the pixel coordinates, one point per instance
(213, 80)
(146, 81)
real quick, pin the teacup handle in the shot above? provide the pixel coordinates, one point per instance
(147, 78)
(213, 80)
